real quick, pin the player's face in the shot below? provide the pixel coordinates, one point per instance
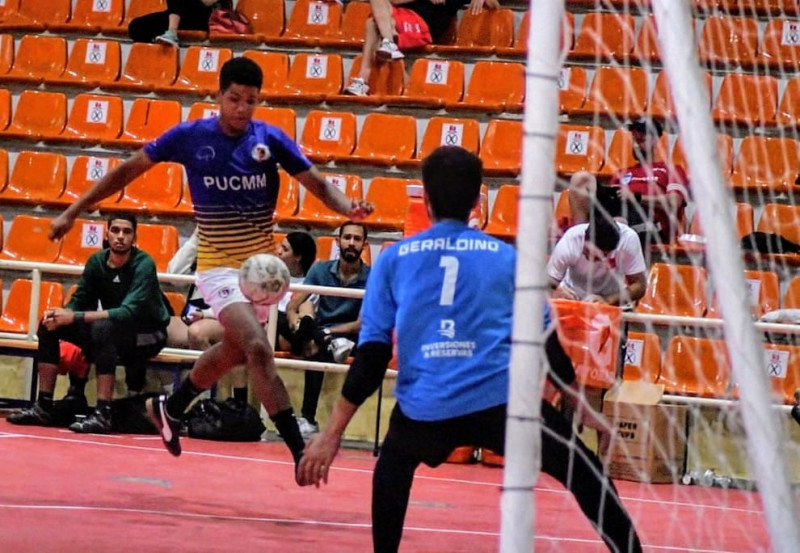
(121, 236)
(286, 253)
(236, 106)
(351, 243)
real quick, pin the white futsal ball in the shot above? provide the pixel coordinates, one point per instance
(264, 279)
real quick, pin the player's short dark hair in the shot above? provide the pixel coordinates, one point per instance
(452, 177)
(241, 70)
(353, 224)
(125, 216)
(303, 244)
(603, 232)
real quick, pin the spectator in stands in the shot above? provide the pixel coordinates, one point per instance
(298, 250)
(399, 25)
(329, 330)
(599, 261)
(180, 15)
(130, 328)
(651, 196)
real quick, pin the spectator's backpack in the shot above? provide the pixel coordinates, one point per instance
(229, 421)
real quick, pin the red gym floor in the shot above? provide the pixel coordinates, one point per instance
(63, 492)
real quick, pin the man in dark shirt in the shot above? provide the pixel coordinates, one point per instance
(129, 329)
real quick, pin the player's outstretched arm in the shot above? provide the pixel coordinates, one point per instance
(320, 451)
(112, 182)
(332, 197)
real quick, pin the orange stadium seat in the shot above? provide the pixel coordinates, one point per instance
(744, 220)
(791, 298)
(147, 120)
(724, 151)
(5, 108)
(571, 89)
(202, 110)
(502, 221)
(3, 178)
(283, 118)
(447, 131)
(312, 79)
(316, 214)
(6, 52)
(579, 148)
(328, 134)
(37, 113)
(481, 33)
(156, 191)
(199, 73)
(92, 17)
(782, 364)
(781, 219)
(763, 288)
(678, 290)
(479, 215)
(16, 311)
(432, 83)
(82, 240)
(177, 301)
(766, 163)
(386, 81)
(616, 92)
(266, 21)
(642, 357)
(646, 49)
(729, 41)
(93, 118)
(520, 45)
(310, 21)
(696, 367)
(38, 58)
(495, 87)
(185, 208)
(747, 100)
(85, 171)
(351, 32)
(91, 63)
(780, 47)
(604, 36)
(661, 105)
(160, 241)
(388, 195)
(147, 67)
(384, 140)
(37, 178)
(36, 16)
(620, 152)
(27, 240)
(788, 114)
(288, 197)
(501, 148)
(275, 68)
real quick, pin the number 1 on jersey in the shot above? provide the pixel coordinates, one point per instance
(450, 265)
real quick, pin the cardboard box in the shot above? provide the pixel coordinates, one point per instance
(648, 442)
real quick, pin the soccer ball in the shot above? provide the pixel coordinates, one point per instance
(264, 279)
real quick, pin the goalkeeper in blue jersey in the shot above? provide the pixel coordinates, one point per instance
(452, 384)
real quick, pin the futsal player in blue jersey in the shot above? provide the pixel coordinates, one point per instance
(452, 378)
(231, 163)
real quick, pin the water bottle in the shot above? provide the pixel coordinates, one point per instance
(416, 214)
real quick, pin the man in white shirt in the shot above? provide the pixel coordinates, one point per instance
(600, 261)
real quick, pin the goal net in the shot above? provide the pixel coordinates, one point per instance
(695, 380)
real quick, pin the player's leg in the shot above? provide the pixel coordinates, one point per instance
(568, 460)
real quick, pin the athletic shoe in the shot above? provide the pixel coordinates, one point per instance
(32, 416)
(340, 349)
(306, 428)
(168, 427)
(96, 423)
(357, 87)
(388, 50)
(169, 38)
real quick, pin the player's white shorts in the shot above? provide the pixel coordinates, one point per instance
(220, 288)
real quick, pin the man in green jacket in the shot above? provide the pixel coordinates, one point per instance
(129, 328)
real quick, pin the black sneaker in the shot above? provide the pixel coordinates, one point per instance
(168, 427)
(96, 423)
(32, 416)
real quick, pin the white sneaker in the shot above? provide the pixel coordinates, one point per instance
(170, 38)
(388, 50)
(357, 87)
(306, 428)
(340, 349)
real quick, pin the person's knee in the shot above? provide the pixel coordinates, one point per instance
(102, 331)
(198, 339)
(258, 352)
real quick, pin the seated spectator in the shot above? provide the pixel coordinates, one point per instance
(180, 15)
(600, 261)
(130, 328)
(298, 250)
(400, 25)
(650, 196)
(329, 329)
